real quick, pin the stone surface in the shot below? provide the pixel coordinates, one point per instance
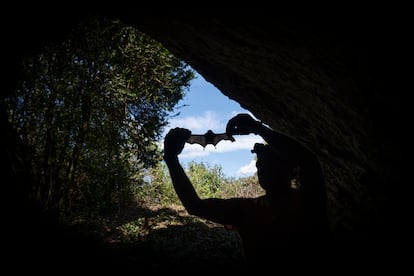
(331, 82)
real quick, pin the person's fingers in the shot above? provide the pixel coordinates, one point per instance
(183, 132)
(187, 133)
(230, 125)
(175, 140)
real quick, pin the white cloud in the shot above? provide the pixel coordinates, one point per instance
(192, 151)
(248, 169)
(241, 142)
(199, 124)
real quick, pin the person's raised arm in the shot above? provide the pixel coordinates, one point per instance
(173, 145)
(214, 209)
(284, 145)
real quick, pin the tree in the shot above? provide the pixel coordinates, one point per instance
(92, 108)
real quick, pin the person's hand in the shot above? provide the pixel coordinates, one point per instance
(174, 141)
(242, 124)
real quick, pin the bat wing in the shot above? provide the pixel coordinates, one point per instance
(222, 136)
(197, 139)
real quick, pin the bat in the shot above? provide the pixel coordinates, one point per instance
(209, 138)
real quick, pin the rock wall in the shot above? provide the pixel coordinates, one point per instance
(330, 82)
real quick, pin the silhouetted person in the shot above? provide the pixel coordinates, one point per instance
(289, 222)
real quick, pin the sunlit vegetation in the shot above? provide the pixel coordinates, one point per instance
(209, 181)
(90, 110)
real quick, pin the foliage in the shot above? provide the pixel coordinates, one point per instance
(159, 188)
(242, 187)
(91, 109)
(208, 181)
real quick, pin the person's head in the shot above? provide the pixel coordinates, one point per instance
(274, 171)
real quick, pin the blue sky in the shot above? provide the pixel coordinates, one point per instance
(204, 107)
